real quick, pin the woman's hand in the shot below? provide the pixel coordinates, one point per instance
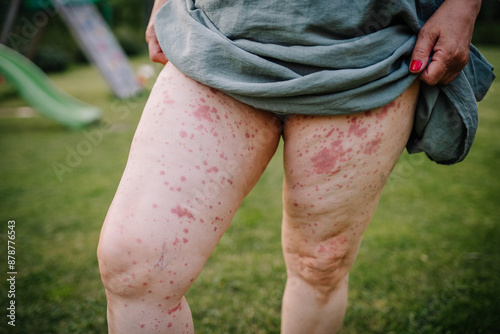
(447, 34)
(155, 52)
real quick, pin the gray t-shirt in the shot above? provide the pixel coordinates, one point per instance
(323, 58)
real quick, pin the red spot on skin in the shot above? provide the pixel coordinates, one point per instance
(215, 228)
(162, 172)
(183, 178)
(372, 146)
(204, 112)
(138, 240)
(213, 169)
(183, 134)
(169, 325)
(356, 130)
(213, 90)
(180, 212)
(142, 325)
(174, 309)
(186, 230)
(144, 283)
(155, 206)
(184, 240)
(383, 113)
(326, 159)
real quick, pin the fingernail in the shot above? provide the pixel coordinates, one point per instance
(415, 65)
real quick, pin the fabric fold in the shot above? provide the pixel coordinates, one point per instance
(323, 62)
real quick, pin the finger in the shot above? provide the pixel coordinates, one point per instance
(422, 50)
(435, 71)
(445, 66)
(155, 52)
(160, 58)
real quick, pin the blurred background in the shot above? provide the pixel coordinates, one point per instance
(429, 263)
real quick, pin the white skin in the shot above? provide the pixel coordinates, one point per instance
(196, 154)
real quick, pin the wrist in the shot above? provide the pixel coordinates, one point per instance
(471, 6)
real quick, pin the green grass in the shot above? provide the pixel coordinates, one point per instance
(429, 262)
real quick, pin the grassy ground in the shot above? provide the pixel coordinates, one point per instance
(429, 262)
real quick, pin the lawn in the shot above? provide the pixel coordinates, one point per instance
(429, 262)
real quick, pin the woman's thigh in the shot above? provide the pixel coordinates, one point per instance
(335, 170)
(196, 153)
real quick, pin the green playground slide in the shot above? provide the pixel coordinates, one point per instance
(39, 91)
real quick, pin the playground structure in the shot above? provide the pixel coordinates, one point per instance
(37, 89)
(98, 44)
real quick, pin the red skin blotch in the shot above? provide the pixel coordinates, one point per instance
(183, 134)
(204, 112)
(372, 146)
(355, 129)
(213, 169)
(180, 212)
(325, 160)
(383, 113)
(178, 307)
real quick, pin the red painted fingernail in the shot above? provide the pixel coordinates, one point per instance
(415, 65)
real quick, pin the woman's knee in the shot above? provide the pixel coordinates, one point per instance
(122, 272)
(132, 265)
(323, 265)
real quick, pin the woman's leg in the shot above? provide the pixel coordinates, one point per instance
(335, 169)
(195, 155)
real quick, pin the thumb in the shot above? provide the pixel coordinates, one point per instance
(421, 52)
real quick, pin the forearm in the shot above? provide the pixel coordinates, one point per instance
(470, 8)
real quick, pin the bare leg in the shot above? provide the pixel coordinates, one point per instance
(335, 170)
(195, 155)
